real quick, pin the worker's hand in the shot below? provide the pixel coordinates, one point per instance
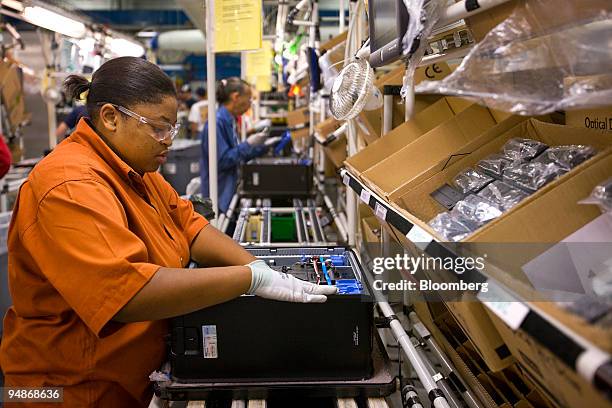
(272, 141)
(262, 124)
(257, 139)
(270, 284)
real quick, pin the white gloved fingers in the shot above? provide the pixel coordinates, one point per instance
(263, 123)
(314, 289)
(272, 141)
(256, 139)
(314, 298)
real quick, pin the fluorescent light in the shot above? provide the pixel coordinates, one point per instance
(13, 4)
(53, 21)
(122, 48)
(146, 34)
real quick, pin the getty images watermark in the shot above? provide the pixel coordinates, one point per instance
(412, 264)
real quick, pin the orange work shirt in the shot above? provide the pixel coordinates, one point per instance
(87, 233)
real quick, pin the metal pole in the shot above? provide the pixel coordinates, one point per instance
(212, 109)
(243, 129)
(351, 200)
(52, 123)
(451, 398)
(341, 17)
(387, 114)
(447, 367)
(403, 339)
(459, 10)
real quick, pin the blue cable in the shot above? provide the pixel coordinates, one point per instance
(325, 270)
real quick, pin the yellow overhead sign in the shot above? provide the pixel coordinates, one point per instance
(238, 25)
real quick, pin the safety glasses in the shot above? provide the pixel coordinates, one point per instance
(161, 130)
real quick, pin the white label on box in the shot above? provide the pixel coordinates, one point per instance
(170, 168)
(381, 211)
(346, 179)
(194, 167)
(419, 237)
(255, 179)
(209, 340)
(365, 196)
(507, 308)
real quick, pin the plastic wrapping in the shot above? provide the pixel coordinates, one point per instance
(521, 150)
(494, 164)
(533, 175)
(476, 209)
(424, 15)
(502, 195)
(601, 196)
(453, 227)
(547, 55)
(472, 181)
(568, 157)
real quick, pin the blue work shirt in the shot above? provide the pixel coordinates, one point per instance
(75, 115)
(230, 154)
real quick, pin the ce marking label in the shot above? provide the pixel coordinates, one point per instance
(436, 70)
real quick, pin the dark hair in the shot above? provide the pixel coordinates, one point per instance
(200, 91)
(125, 81)
(228, 86)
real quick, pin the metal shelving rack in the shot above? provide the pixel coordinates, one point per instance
(588, 360)
(579, 354)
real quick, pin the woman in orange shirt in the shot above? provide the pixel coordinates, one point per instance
(99, 243)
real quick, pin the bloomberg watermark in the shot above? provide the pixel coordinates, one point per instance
(413, 264)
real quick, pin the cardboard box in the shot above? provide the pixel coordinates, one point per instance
(298, 117)
(547, 216)
(300, 137)
(435, 151)
(560, 384)
(12, 94)
(477, 326)
(333, 42)
(430, 117)
(336, 151)
(598, 119)
(372, 120)
(370, 230)
(420, 207)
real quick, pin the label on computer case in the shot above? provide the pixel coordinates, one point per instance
(209, 340)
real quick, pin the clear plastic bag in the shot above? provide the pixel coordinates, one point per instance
(477, 209)
(533, 175)
(452, 227)
(568, 157)
(547, 55)
(503, 195)
(494, 164)
(522, 150)
(424, 15)
(601, 196)
(471, 181)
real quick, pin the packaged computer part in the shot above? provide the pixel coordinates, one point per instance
(476, 209)
(569, 156)
(494, 164)
(533, 175)
(472, 180)
(521, 150)
(503, 195)
(453, 227)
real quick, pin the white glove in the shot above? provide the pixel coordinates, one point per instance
(272, 141)
(261, 124)
(270, 284)
(257, 138)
